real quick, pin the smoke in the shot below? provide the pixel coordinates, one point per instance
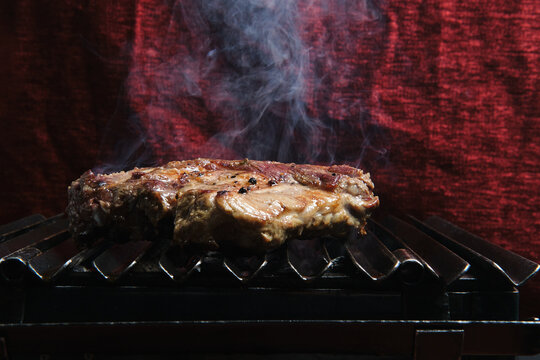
(270, 86)
(262, 90)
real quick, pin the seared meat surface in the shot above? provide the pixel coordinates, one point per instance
(212, 204)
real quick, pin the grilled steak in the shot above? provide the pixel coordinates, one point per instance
(211, 204)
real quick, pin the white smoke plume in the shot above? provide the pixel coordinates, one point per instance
(247, 61)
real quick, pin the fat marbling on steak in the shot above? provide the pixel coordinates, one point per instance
(211, 204)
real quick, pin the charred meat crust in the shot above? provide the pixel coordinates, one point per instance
(214, 204)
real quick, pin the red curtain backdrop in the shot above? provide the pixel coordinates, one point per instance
(445, 94)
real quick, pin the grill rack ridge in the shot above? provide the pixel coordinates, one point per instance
(403, 249)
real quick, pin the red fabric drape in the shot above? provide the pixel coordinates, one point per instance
(451, 90)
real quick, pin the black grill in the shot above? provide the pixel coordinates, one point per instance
(404, 275)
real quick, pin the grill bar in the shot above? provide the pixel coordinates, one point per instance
(411, 269)
(13, 267)
(179, 265)
(43, 233)
(371, 257)
(119, 258)
(245, 268)
(20, 225)
(308, 258)
(491, 258)
(444, 263)
(48, 265)
(414, 267)
(19, 250)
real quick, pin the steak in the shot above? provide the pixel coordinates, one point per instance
(211, 204)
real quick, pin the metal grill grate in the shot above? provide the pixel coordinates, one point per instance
(394, 250)
(313, 295)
